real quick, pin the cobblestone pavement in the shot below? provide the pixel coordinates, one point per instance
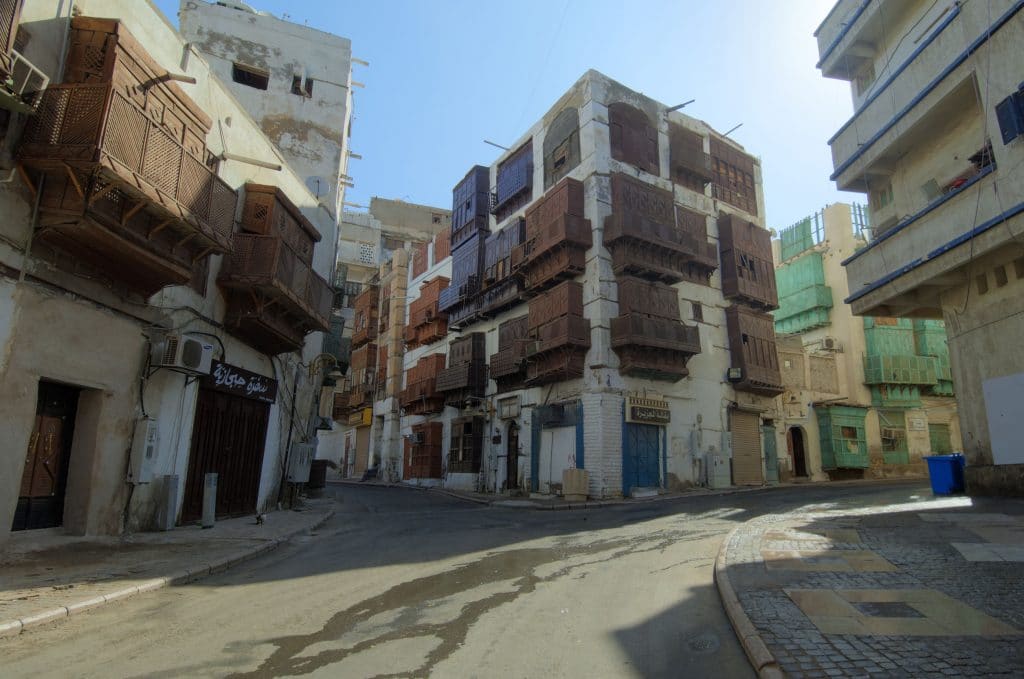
(929, 588)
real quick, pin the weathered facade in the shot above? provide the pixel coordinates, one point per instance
(163, 302)
(597, 322)
(294, 81)
(936, 143)
(376, 250)
(864, 397)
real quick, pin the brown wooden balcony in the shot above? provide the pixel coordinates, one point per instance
(752, 345)
(275, 298)
(148, 208)
(653, 347)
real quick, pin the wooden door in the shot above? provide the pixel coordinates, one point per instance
(44, 477)
(512, 458)
(640, 457)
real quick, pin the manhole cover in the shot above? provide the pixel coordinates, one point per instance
(703, 643)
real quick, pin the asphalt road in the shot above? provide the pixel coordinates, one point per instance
(406, 583)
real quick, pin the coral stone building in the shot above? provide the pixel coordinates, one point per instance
(597, 320)
(864, 397)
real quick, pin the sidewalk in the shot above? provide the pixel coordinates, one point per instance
(45, 576)
(930, 588)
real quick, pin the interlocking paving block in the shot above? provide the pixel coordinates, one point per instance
(829, 560)
(933, 613)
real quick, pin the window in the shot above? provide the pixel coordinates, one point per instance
(864, 79)
(366, 253)
(880, 197)
(249, 76)
(435, 218)
(981, 280)
(698, 311)
(893, 425)
(1010, 114)
(299, 89)
(1000, 274)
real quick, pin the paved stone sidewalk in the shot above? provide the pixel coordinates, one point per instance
(45, 576)
(931, 588)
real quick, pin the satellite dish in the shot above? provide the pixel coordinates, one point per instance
(318, 186)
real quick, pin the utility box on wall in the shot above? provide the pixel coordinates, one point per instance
(144, 451)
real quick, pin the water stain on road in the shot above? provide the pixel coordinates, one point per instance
(409, 604)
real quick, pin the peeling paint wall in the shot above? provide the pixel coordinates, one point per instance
(311, 131)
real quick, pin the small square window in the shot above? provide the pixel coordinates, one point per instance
(249, 76)
(981, 280)
(1018, 268)
(698, 311)
(1000, 274)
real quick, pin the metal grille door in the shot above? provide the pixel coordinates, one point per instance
(228, 439)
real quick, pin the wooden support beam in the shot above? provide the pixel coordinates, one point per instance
(101, 193)
(25, 178)
(74, 181)
(131, 212)
(202, 254)
(158, 228)
(185, 239)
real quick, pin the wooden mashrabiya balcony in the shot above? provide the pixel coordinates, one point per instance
(117, 157)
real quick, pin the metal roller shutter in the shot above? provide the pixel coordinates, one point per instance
(746, 449)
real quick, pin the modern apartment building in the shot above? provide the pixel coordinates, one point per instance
(164, 280)
(936, 143)
(596, 322)
(864, 397)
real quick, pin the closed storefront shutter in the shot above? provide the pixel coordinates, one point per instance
(746, 449)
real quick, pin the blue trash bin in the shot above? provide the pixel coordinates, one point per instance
(946, 473)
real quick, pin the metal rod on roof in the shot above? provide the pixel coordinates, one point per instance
(733, 130)
(503, 148)
(250, 161)
(679, 106)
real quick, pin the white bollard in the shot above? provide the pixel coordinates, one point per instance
(209, 500)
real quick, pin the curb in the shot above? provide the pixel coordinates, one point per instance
(595, 504)
(762, 660)
(10, 628)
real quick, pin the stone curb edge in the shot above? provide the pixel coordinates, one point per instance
(594, 504)
(10, 628)
(762, 660)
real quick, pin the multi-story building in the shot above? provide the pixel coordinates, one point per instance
(164, 281)
(597, 321)
(937, 143)
(372, 271)
(864, 397)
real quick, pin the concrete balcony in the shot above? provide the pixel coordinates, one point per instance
(903, 272)
(922, 91)
(844, 37)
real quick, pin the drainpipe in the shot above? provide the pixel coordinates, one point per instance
(288, 443)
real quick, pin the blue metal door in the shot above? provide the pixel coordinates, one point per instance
(640, 457)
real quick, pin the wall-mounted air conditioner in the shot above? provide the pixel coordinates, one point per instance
(831, 344)
(182, 352)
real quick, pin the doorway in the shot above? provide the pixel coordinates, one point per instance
(640, 457)
(228, 440)
(512, 458)
(797, 450)
(44, 478)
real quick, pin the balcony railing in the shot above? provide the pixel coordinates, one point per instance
(266, 264)
(94, 127)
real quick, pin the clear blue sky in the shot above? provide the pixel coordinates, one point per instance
(446, 74)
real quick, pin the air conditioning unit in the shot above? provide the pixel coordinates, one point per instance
(182, 352)
(300, 461)
(831, 344)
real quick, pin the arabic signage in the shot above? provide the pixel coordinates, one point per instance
(240, 382)
(647, 410)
